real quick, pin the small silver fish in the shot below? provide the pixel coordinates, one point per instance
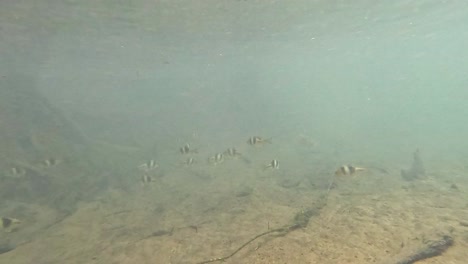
(17, 171)
(185, 149)
(217, 158)
(189, 161)
(47, 163)
(274, 164)
(255, 140)
(232, 152)
(348, 170)
(148, 166)
(146, 178)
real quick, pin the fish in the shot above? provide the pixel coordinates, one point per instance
(348, 170)
(189, 161)
(17, 172)
(8, 223)
(216, 159)
(148, 166)
(186, 149)
(255, 140)
(274, 164)
(146, 178)
(232, 152)
(50, 162)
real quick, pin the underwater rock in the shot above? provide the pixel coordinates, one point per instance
(416, 171)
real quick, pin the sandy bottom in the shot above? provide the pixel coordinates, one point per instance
(201, 212)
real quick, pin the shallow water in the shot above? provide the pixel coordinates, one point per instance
(330, 83)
